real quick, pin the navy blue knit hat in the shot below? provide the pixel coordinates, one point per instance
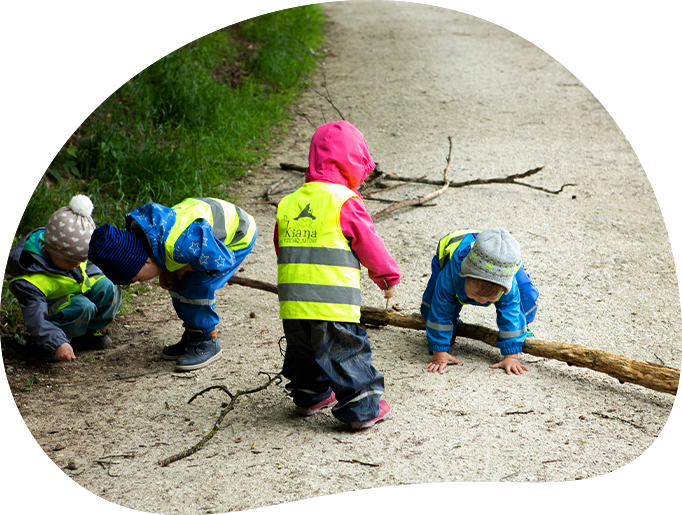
(119, 254)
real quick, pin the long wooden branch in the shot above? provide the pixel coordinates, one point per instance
(655, 377)
(216, 426)
(419, 200)
(510, 179)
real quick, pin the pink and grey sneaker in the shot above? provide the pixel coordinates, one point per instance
(384, 411)
(311, 410)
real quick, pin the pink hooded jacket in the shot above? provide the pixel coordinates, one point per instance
(339, 155)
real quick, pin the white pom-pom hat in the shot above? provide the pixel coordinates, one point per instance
(68, 231)
(81, 205)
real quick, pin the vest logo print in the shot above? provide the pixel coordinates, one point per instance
(306, 213)
(301, 229)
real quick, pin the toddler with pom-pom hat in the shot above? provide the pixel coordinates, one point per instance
(66, 300)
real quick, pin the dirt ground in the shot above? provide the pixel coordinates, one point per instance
(408, 76)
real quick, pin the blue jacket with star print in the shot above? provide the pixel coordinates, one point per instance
(444, 297)
(196, 246)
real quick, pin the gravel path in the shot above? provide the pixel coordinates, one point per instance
(409, 76)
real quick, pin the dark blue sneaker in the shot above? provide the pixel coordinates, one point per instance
(200, 354)
(177, 350)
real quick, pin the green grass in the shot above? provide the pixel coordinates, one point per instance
(189, 124)
(642, 60)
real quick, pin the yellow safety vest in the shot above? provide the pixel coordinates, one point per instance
(58, 289)
(448, 244)
(318, 275)
(229, 223)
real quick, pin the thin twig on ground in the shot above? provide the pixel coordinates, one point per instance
(229, 407)
(524, 412)
(293, 168)
(619, 419)
(419, 200)
(273, 187)
(326, 96)
(358, 462)
(115, 378)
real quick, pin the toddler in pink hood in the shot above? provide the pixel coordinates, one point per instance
(323, 234)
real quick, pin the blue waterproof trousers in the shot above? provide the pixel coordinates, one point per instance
(324, 356)
(89, 312)
(194, 295)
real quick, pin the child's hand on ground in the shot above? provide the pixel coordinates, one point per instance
(388, 293)
(64, 352)
(439, 361)
(511, 364)
(166, 279)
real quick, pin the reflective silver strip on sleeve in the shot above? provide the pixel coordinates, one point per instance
(512, 334)
(531, 310)
(219, 228)
(426, 304)
(439, 327)
(196, 302)
(243, 227)
(358, 398)
(218, 212)
(317, 256)
(324, 293)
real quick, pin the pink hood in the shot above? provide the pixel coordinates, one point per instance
(339, 155)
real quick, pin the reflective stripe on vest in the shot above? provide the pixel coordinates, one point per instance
(230, 224)
(318, 275)
(58, 289)
(448, 244)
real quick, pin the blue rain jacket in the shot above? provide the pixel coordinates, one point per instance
(444, 297)
(196, 246)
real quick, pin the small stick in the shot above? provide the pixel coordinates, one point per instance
(361, 463)
(386, 299)
(293, 168)
(273, 187)
(216, 426)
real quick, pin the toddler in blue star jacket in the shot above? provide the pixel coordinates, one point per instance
(194, 248)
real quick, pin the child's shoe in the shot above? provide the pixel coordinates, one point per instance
(311, 410)
(384, 410)
(94, 340)
(177, 350)
(200, 353)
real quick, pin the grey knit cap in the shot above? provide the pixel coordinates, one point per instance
(493, 258)
(68, 231)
